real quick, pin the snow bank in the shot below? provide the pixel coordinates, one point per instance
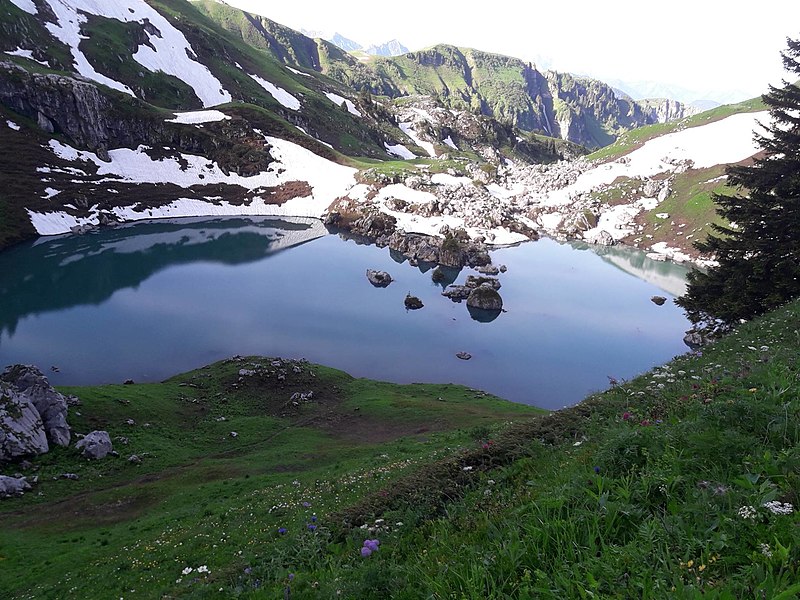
(448, 141)
(26, 5)
(400, 151)
(170, 52)
(337, 100)
(295, 71)
(198, 116)
(280, 94)
(327, 180)
(427, 146)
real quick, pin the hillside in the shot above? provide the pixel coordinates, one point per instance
(679, 483)
(580, 110)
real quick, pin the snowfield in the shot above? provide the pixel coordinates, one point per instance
(198, 116)
(280, 94)
(170, 52)
(327, 180)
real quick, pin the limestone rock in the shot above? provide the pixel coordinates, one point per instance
(13, 486)
(21, 430)
(95, 445)
(52, 406)
(600, 238)
(379, 278)
(485, 297)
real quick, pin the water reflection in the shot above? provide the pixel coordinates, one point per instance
(59, 272)
(148, 301)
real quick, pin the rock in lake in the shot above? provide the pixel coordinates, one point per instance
(464, 355)
(659, 300)
(379, 278)
(485, 297)
(475, 282)
(600, 238)
(95, 445)
(413, 303)
(457, 293)
(13, 486)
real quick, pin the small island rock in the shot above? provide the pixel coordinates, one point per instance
(379, 278)
(659, 300)
(413, 303)
(485, 297)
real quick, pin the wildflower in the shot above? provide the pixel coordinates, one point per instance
(291, 576)
(248, 570)
(597, 470)
(307, 504)
(187, 570)
(372, 544)
(311, 527)
(578, 443)
(765, 550)
(778, 508)
(626, 416)
(202, 569)
(313, 518)
(645, 423)
(747, 512)
(281, 530)
(365, 552)
(467, 468)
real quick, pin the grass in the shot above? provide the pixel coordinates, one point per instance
(669, 485)
(125, 526)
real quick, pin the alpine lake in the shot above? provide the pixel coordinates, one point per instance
(149, 300)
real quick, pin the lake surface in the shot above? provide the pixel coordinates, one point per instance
(151, 300)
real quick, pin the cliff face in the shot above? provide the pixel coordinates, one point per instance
(580, 110)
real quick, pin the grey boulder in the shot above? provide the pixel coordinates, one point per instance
(95, 445)
(21, 429)
(51, 406)
(13, 486)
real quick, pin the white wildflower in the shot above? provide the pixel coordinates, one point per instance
(747, 512)
(779, 508)
(187, 570)
(765, 550)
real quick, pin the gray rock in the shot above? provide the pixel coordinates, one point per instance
(21, 429)
(457, 293)
(379, 278)
(485, 297)
(659, 300)
(600, 238)
(464, 355)
(474, 282)
(488, 270)
(95, 445)
(413, 303)
(13, 486)
(51, 406)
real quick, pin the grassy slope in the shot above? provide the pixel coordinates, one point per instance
(637, 492)
(202, 496)
(690, 203)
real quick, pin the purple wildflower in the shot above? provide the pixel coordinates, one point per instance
(365, 552)
(311, 527)
(313, 518)
(248, 570)
(597, 470)
(307, 504)
(281, 530)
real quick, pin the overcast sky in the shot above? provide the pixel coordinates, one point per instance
(728, 50)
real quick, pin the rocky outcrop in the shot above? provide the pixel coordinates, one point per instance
(21, 429)
(379, 278)
(51, 406)
(95, 445)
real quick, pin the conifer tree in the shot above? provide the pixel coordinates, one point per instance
(759, 251)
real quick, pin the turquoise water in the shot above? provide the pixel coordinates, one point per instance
(148, 301)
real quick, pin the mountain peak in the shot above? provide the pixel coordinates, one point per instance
(390, 48)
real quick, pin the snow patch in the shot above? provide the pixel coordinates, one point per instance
(427, 146)
(25, 54)
(400, 151)
(337, 100)
(448, 141)
(295, 71)
(281, 95)
(50, 192)
(26, 5)
(198, 116)
(13, 125)
(449, 180)
(170, 52)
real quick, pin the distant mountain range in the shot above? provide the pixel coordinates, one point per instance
(390, 48)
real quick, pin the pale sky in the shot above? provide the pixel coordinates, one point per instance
(725, 50)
